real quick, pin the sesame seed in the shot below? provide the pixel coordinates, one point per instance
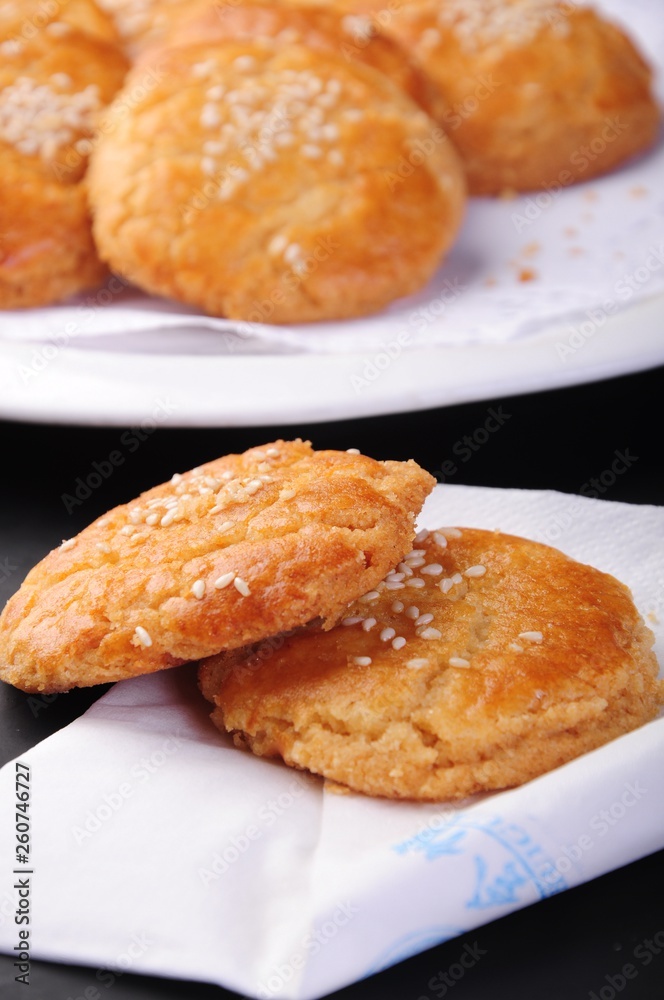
(404, 568)
(414, 554)
(515, 647)
(449, 532)
(368, 624)
(272, 452)
(353, 620)
(416, 563)
(167, 519)
(531, 636)
(292, 253)
(458, 661)
(397, 607)
(457, 578)
(225, 526)
(102, 523)
(287, 494)
(440, 540)
(394, 577)
(394, 585)
(387, 634)
(433, 569)
(198, 589)
(398, 643)
(417, 663)
(253, 486)
(429, 633)
(371, 596)
(128, 529)
(424, 619)
(412, 612)
(362, 661)
(103, 548)
(208, 165)
(276, 246)
(311, 151)
(241, 586)
(67, 544)
(244, 63)
(143, 636)
(210, 116)
(422, 535)
(352, 451)
(152, 519)
(478, 570)
(223, 580)
(446, 585)
(415, 582)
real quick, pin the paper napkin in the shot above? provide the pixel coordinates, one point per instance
(158, 847)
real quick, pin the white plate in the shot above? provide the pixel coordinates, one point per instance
(554, 288)
(104, 387)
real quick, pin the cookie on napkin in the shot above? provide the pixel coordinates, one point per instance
(482, 661)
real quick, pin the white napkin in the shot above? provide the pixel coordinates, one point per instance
(518, 267)
(158, 847)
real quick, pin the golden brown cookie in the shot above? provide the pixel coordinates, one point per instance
(270, 183)
(354, 38)
(54, 80)
(540, 93)
(242, 548)
(482, 661)
(143, 24)
(21, 20)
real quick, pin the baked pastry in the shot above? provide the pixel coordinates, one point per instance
(20, 20)
(143, 24)
(54, 80)
(540, 93)
(242, 548)
(356, 39)
(271, 183)
(483, 661)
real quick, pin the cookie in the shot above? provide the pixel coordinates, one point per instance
(273, 183)
(242, 548)
(354, 38)
(481, 662)
(540, 93)
(143, 24)
(54, 81)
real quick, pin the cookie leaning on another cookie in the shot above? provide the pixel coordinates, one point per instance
(244, 547)
(482, 661)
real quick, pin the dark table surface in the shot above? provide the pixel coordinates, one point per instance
(573, 946)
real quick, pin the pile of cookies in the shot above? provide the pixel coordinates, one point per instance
(290, 162)
(422, 666)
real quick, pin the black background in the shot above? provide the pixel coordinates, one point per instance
(565, 947)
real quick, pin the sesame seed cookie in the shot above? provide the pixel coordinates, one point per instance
(54, 81)
(274, 183)
(240, 549)
(480, 662)
(354, 38)
(539, 92)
